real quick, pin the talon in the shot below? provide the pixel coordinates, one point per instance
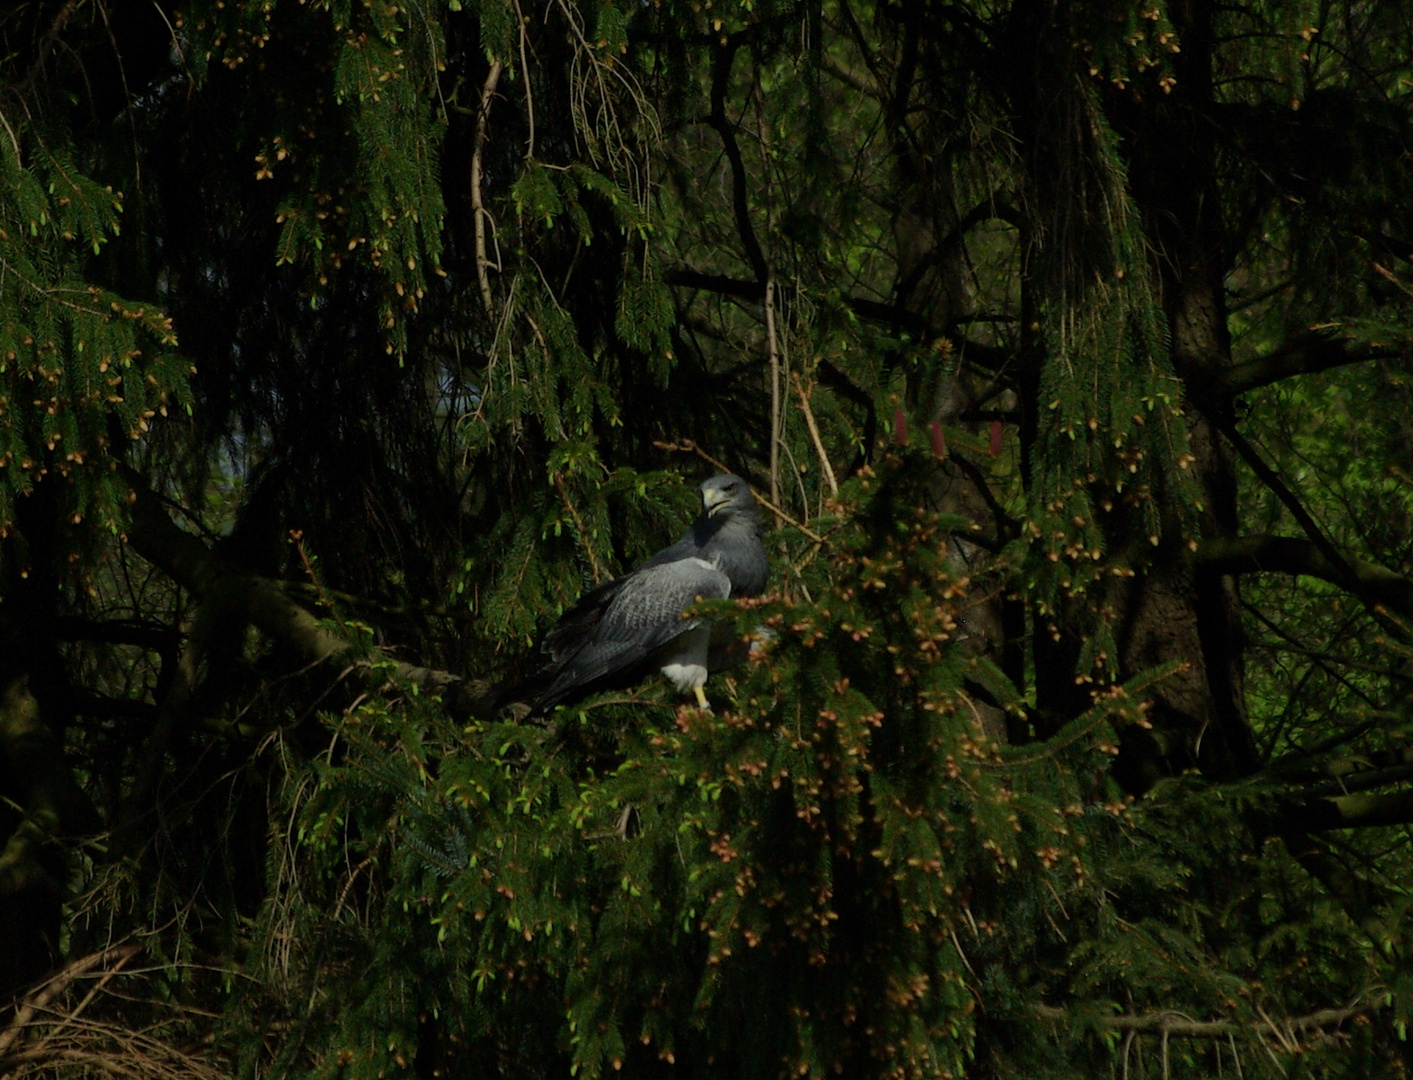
(702, 702)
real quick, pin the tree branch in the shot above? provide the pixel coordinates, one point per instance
(266, 605)
(1347, 771)
(1173, 1023)
(1289, 815)
(1268, 476)
(720, 76)
(1306, 355)
(988, 356)
(480, 215)
(1351, 811)
(1371, 583)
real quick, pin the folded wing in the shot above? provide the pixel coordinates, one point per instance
(631, 622)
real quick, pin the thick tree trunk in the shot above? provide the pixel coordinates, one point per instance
(40, 801)
(1172, 611)
(1184, 613)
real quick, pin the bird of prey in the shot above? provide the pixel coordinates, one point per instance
(632, 624)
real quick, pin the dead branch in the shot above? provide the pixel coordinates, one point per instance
(59, 982)
(819, 450)
(479, 213)
(773, 350)
(1312, 1025)
(687, 446)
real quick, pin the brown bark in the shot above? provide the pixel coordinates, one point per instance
(1184, 614)
(1171, 611)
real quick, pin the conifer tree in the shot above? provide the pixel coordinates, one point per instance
(342, 346)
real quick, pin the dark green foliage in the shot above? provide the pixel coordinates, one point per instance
(344, 345)
(82, 370)
(637, 882)
(834, 870)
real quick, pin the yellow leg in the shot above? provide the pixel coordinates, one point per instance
(701, 697)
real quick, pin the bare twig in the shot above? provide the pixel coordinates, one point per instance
(1285, 1030)
(773, 348)
(520, 22)
(478, 208)
(58, 983)
(1309, 353)
(824, 465)
(687, 446)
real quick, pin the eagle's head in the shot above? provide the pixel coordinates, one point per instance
(726, 495)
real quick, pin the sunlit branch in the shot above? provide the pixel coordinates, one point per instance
(480, 214)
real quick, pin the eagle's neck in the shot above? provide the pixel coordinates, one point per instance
(732, 541)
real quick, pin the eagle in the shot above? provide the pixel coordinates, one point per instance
(626, 627)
